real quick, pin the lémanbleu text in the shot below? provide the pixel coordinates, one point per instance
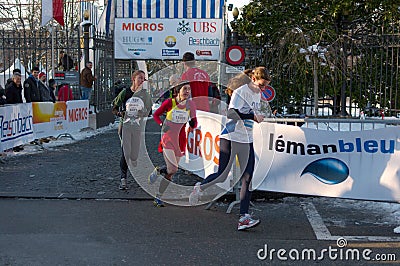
(357, 145)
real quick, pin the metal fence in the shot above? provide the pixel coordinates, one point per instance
(358, 71)
(331, 124)
(41, 48)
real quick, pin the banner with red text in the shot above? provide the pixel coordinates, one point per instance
(53, 119)
(77, 115)
(139, 38)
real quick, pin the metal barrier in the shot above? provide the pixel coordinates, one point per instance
(336, 124)
(319, 124)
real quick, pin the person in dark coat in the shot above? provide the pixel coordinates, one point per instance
(44, 90)
(14, 90)
(66, 61)
(2, 96)
(9, 81)
(53, 86)
(31, 87)
(86, 81)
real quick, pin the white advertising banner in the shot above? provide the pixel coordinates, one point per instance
(49, 119)
(77, 115)
(346, 164)
(202, 152)
(16, 125)
(167, 39)
(353, 164)
(53, 119)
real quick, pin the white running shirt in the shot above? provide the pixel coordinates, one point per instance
(246, 101)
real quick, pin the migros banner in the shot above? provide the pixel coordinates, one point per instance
(138, 38)
(77, 115)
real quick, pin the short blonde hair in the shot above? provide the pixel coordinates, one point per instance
(237, 81)
(261, 73)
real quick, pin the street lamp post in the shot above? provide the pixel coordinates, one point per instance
(85, 28)
(235, 14)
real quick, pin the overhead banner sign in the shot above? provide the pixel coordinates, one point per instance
(167, 39)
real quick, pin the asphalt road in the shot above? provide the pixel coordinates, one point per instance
(62, 206)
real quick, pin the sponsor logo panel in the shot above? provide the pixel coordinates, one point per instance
(170, 41)
(170, 52)
(203, 53)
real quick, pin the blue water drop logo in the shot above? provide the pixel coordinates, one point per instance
(330, 171)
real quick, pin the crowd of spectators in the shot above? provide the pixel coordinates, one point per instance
(35, 88)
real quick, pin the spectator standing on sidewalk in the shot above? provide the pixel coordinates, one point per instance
(44, 90)
(14, 90)
(215, 98)
(65, 93)
(199, 81)
(9, 81)
(53, 86)
(131, 105)
(237, 139)
(2, 96)
(179, 111)
(31, 87)
(87, 80)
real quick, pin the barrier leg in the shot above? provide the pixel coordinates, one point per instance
(236, 189)
(66, 135)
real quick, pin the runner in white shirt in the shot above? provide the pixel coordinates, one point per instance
(237, 139)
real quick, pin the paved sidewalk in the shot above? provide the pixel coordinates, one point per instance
(124, 228)
(85, 169)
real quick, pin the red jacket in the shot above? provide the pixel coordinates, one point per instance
(65, 94)
(199, 83)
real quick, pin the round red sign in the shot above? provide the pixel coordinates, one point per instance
(234, 55)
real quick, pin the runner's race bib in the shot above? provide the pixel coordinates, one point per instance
(133, 106)
(180, 116)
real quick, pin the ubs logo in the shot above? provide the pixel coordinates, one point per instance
(170, 41)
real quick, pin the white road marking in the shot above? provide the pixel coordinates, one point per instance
(316, 222)
(322, 232)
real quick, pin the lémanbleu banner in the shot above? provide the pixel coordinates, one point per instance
(346, 164)
(352, 164)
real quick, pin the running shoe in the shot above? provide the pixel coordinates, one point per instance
(158, 203)
(154, 175)
(123, 184)
(195, 194)
(246, 222)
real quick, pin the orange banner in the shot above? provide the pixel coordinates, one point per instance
(44, 112)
